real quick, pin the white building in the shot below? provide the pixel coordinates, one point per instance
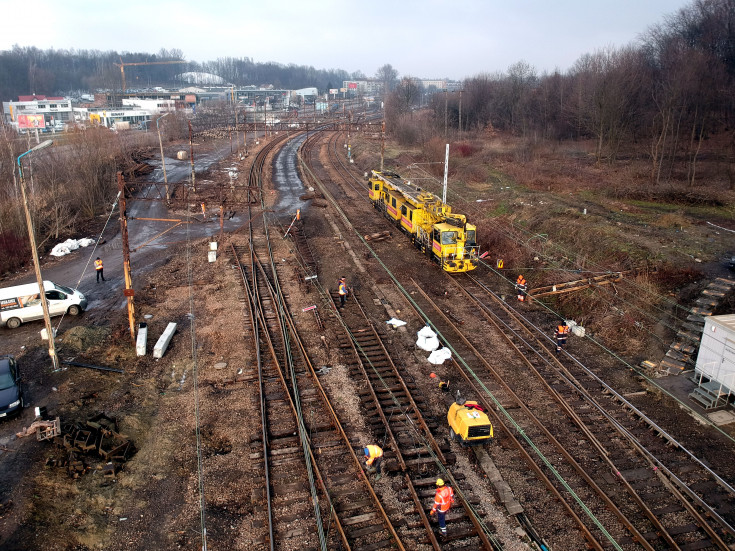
(366, 87)
(47, 114)
(105, 116)
(152, 106)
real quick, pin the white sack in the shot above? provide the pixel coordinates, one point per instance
(62, 249)
(427, 339)
(395, 322)
(438, 357)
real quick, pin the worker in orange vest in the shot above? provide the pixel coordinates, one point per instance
(521, 288)
(443, 499)
(343, 291)
(373, 459)
(99, 269)
(561, 334)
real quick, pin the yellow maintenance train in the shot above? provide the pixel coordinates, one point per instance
(445, 236)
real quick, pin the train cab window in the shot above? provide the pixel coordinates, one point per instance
(470, 237)
(435, 235)
(377, 186)
(393, 201)
(449, 238)
(404, 210)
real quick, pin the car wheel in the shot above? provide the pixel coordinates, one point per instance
(13, 323)
(75, 310)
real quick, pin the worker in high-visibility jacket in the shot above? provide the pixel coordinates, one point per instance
(373, 459)
(99, 269)
(560, 335)
(443, 499)
(521, 288)
(342, 290)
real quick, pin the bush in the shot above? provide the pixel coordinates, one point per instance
(463, 149)
(15, 252)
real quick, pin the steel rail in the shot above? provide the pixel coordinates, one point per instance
(661, 470)
(578, 468)
(255, 317)
(335, 420)
(295, 402)
(297, 414)
(433, 445)
(480, 528)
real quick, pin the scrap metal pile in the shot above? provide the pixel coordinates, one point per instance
(99, 437)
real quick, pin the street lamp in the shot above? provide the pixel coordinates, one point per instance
(34, 252)
(163, 160)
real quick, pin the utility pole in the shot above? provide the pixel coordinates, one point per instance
(446, 175)
(128, 292)
(163, 159)
(36, 262)
(191, 155)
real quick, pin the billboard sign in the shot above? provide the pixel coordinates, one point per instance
(352, 85)
(333, 91)
(31, 121)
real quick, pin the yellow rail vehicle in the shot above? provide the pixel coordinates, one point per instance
(445, 236)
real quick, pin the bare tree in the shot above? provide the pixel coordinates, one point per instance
(388, 76)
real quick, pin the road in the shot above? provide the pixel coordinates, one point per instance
(147, 251)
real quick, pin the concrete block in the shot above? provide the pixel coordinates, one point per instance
(162, 343)
(142, 340)
(44, 333)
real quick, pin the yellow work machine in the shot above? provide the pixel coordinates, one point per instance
(468, 422)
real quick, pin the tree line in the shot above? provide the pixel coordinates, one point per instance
(29, 70)
(666, 94)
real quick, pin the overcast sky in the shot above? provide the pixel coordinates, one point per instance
(428, 39)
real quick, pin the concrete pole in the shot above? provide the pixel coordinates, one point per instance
(163, 159)
(36, 261)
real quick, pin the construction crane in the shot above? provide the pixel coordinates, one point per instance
(122, 66)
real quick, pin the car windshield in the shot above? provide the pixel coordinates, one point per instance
(6, 381)
(67, 290)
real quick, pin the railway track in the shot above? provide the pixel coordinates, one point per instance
(316, 494)
(399, 426)
(622, 493)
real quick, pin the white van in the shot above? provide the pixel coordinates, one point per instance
(22, 303)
